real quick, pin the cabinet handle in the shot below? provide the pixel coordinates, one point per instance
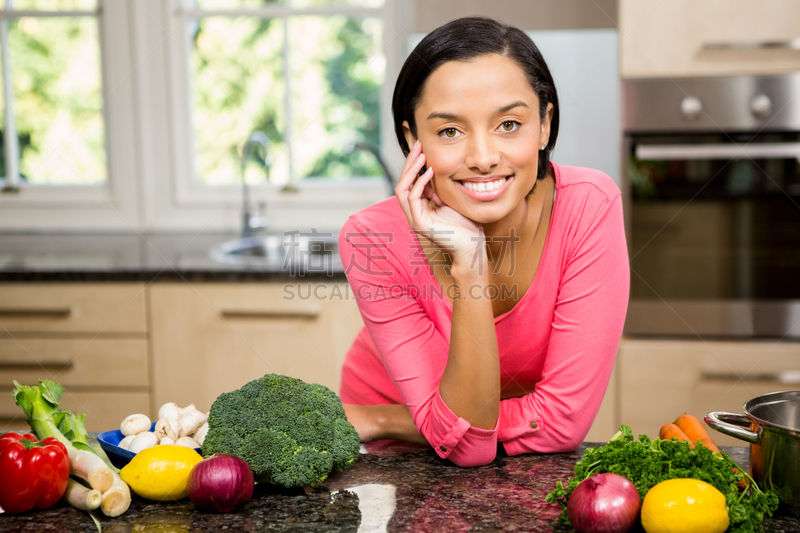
(787, 376)
(7, 418)
(42, 312)
(35, 365)
(790, 44)
(271, 313)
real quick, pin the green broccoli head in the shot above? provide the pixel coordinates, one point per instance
(291, 433)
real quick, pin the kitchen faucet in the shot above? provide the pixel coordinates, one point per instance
(250, 222)
(353, 146)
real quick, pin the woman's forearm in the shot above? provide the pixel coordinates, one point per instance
(377, 422)
(470, 385)
(396, 423)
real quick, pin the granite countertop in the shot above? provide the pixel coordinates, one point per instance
(392, 488)
(146, 257)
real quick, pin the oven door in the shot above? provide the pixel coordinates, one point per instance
(714, 234)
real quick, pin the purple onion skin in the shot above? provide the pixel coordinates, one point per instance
(221, 483)
(604, 503)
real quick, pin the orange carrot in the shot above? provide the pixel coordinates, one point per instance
(696, 432)
(669, 431)
(742, 482)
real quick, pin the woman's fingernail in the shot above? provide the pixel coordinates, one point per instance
(416, 143)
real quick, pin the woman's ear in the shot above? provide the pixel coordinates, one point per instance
(410, 137)
(548, 116)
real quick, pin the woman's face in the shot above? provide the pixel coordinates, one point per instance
(479, 125)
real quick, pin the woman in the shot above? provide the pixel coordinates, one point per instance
(494, 286)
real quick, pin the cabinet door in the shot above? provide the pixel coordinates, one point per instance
(104, 410)
(82, 362)
(660, 379)
(213, 338)
(683, 37)
(74, 308)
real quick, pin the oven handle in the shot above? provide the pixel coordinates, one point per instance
(668, 152)
(790, 44)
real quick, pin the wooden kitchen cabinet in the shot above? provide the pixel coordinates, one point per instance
(677, 38)
(661, 379)
(212, 338)
(90, 338)
(606, 423)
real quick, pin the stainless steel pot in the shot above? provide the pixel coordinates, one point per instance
(771, 424)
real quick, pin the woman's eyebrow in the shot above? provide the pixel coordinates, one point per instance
(450, 116)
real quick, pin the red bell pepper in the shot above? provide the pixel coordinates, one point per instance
(34, 473)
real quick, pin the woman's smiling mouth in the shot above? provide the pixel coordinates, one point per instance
(485, 189)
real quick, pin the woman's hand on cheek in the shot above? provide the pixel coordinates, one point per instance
(429, 193)
(429, 216)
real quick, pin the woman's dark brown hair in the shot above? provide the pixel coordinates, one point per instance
(462, 40)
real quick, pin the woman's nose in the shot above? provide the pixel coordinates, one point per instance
(482, 154)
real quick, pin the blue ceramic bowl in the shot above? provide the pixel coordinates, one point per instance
(119, 457)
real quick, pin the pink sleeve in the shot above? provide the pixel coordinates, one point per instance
(587, 327)
(412, 348)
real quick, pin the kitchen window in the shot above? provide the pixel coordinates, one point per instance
(65, 116)
(310, 74)
(138, 122)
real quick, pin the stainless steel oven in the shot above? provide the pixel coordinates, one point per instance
(712, 185)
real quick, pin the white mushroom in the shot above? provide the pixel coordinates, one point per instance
(189, 407)
(167, 427)
(191, 421)
(200, 434)
(143, 441)
(124, 443)
(166, 440)
(135, 424)
(189, 442)
(169, 410)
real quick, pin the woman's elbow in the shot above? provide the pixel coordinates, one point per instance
(568, 446)
(565, 444)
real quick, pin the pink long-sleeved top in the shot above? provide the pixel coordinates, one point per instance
(561, 337)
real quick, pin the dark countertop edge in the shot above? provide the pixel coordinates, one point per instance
(168, 276)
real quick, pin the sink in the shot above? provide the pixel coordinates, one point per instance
(292, 252)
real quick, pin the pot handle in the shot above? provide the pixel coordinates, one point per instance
(731, 424)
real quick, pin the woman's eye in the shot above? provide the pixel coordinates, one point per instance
(509, 125)
(450, 133)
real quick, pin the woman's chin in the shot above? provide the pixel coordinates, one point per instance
(488, 213)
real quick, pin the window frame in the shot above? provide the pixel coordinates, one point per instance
(113, 204)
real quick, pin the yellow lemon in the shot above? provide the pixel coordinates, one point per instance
(161, 472)
(684, 506)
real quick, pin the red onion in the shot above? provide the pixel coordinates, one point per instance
(604, 503)
(222, 482)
